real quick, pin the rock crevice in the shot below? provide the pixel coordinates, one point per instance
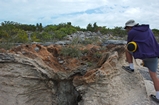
(34, 81)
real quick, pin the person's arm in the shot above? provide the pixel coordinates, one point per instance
(130, 37)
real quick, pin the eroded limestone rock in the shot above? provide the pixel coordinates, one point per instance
(110, 85)
(25, 81)
(35, 77)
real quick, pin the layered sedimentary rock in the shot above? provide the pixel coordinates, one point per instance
(38, 75)
(110, 85)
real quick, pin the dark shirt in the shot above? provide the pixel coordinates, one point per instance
(146, 42)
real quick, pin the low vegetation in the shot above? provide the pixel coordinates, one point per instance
(12, 33)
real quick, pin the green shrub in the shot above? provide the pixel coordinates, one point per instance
(6, 46)
(70, 51)
(89, 64)
(97, 55)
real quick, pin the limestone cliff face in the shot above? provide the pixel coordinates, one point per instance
(36, 75)
(110, 85)
(25, 81)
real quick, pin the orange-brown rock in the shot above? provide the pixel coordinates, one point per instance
(39, 75)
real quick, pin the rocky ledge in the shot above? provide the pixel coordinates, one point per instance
(38, 75)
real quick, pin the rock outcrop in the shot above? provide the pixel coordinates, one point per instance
(38, 75)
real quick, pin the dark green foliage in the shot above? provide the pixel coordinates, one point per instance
(13, 32)
(39, 27)
(156, 33)
(97, 55)
(44, 36)
(59, 34)
(118, 31)
(7, 46)
(61, 30)
(71, 51)
(10, 25)
(89, 27)
(93, 28)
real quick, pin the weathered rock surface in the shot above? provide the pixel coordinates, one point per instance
(109, 85)
(29, 82)
(37, 75)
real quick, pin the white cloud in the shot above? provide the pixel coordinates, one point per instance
(108, 13)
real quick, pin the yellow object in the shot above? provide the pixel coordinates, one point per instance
(132, 46)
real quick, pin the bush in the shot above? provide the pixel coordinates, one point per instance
(70, 51)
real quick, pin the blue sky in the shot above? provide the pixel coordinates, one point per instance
(109, 13)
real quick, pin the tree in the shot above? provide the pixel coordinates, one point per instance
(156, 33)
(89, 27)
(39, 27)
(59, 34)
(3, 36)
(95, 27)
(118, 31)
(22, 37)
(69, 23)
(51, 28)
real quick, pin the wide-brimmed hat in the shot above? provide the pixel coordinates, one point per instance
(130, 23)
